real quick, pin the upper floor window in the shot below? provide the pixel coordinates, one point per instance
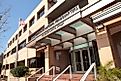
(7, 66)
(51, 3)
(25, 28)
(3, 67)
(31, 22)
(20, 33)
(12, 65)
(10, 43)
(13, 50)
(22, 45)
(13, 40)
(8, 53)
(40, 13)
(16, 37)
(4, 56)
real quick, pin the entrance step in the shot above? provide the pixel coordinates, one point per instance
(64, 77)
(34, 77)
(76, 77)
(46, 78)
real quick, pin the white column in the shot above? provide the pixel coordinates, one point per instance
(46, 58)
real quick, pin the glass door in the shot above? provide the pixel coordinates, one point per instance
(86, 59)
(82, 60)
(78, 61)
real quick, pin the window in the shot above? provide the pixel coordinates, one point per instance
(51, 3)
(13, 50)
(36, 62)
(32, 63)
(25, 28)
(13, 40)
(40, 13)
(20, 33)
(16, 37)
(7, 66)
(12, 65)
(21, 63)
(3, 66)
(4, 56)
(22, 45)
(8, 54)
(10, 43)
(31, 22)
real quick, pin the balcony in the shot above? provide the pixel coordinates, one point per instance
(63, 6)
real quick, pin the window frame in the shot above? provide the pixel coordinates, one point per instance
(20, 33)
(22, 45)
(32, 21)
(25, 28)
(41, 12)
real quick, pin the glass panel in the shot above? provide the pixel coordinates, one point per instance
(92, 55)
(78, 61)
(85, 59)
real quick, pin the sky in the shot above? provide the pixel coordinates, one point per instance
(18, 9)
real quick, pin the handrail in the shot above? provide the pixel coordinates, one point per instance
(53, 67)
(36, 72)
(69, 67)
(88, 71)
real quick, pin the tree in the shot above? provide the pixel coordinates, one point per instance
(3, 20)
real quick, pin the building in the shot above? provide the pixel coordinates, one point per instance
(67, 32)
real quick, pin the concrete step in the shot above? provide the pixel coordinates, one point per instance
(33, 78)
(46, 78)
(76, 77)
(64, 77)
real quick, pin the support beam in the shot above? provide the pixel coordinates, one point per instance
(71, 40)
(43, 42)
(88, 21)
(55, 36)
(69, 30)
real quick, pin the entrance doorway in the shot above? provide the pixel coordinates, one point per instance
(82, 60)
(83, 57)
(40, 59)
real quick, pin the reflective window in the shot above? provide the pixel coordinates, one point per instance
(31, 22)
(32, 63)
(22, 45)
(20, 33)
(40, 13)
(25, 28)
(13, 50)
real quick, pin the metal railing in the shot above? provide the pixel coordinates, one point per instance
(41, 69)
(52, 68)
(88, 71)
(70, 70)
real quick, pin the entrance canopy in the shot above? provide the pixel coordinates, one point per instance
(76, 33)
(66, 30)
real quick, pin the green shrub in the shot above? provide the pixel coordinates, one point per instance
(19, 71)
(109, 74)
